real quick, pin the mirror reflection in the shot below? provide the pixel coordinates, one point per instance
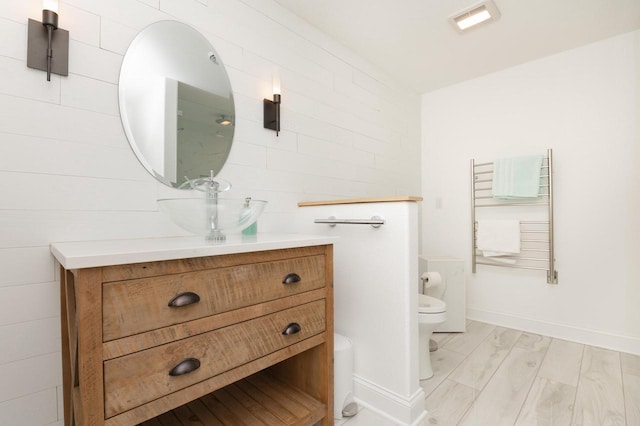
(176, 103)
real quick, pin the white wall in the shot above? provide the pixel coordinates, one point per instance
(67, 172)
(376, 301)
(585, 105)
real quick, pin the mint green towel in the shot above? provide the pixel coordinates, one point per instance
(517, 177)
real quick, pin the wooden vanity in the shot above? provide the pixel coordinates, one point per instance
(162, 330)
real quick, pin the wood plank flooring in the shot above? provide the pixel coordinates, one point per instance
(491, 376)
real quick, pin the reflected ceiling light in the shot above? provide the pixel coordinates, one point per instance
(486, 11)
(224, 121)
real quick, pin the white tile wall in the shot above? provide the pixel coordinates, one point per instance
(67, 172)
(90, 94)
(42, 405)
(13, 38)
(29, 376)
(42, 119)
(18, 11)
(28, 302)
(114, 36)
(86, 60)
(26, 265)
(29, 339)
(27, 83)
(82, 25)
(29, 154)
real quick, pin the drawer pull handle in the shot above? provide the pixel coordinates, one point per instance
(293, 328)
(185, 366)
(184, 299)
(291, 278)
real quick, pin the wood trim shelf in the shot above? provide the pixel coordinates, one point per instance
(257, 400)
(402, 198)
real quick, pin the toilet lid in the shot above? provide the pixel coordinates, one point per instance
(430, 305)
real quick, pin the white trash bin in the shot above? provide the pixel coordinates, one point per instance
(343, 404)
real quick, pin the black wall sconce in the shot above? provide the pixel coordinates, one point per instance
(47, 51)
(272, 107)
(272, 113)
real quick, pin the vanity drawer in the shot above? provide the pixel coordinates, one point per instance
(135, 379)
(135, 306)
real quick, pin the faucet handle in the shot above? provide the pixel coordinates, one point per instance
(208, 184)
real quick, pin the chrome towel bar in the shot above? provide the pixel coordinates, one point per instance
(543, 239)
(375, 221)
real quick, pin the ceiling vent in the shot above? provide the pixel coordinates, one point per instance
(471, 17)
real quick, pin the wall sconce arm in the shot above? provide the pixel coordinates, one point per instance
(42, 43)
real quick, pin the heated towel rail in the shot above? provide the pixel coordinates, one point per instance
(536, 236)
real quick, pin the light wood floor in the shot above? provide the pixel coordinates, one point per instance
(492, 376)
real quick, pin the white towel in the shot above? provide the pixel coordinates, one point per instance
(498, 238)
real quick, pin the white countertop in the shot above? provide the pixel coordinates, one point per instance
(90, 254)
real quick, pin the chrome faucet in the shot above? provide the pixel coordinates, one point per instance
(211, 187)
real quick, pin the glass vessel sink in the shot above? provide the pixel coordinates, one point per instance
(213, 218)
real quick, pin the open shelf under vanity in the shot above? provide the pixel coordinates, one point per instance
(259, 399)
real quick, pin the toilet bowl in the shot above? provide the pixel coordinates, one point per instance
(431, 313)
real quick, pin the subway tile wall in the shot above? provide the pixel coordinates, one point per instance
(67, 172)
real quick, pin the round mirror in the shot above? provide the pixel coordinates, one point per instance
(176, 103)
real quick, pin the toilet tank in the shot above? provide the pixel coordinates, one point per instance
(452, 271)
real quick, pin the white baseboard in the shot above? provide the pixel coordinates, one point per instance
(401, 410)
(561, 331)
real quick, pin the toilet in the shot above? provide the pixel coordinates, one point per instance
(431, 313)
